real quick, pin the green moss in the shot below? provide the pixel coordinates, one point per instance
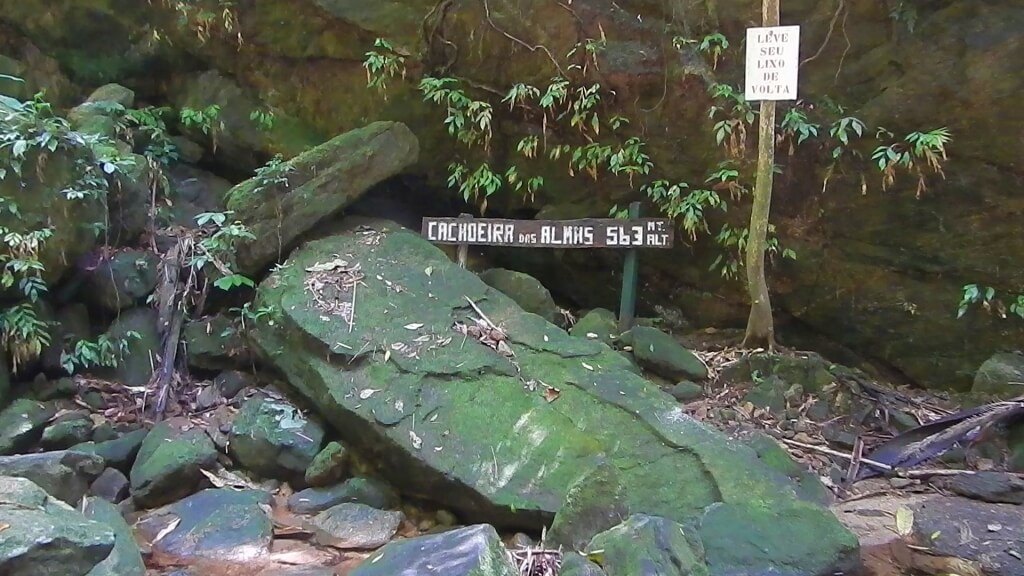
(169, 462)
(450, 419)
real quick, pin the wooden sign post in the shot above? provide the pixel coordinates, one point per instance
(630, 234)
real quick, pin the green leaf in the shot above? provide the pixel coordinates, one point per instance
(904, 521)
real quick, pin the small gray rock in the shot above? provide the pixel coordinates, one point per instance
(369, 491)
(359, 526)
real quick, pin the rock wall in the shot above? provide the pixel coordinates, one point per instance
(879, 272)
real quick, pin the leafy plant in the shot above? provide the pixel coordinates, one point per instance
(206, 18)
(105, 351)
(30, 134)
(264, 119)
(383, 65)
(218, 248)
(917, 153)
(205, 120)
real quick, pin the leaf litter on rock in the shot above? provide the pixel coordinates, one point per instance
(801, 435)
(332, 286)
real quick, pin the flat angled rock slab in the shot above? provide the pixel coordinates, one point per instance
(213, 524)
(452, 419)
(43, 535)
(991, 535)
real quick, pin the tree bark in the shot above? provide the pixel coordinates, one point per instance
(760, 324)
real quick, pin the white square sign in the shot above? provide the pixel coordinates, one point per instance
(773, 63)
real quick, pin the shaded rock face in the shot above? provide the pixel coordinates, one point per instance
(508, 455)
(1001, 375)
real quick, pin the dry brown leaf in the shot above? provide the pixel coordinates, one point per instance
(4, 527)
(167, 530)
(552, 394)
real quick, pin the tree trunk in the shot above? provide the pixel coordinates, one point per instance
(760, 325)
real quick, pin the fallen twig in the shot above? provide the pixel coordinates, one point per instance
(910, 474)
(482, 315)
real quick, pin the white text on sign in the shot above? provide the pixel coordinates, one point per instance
(773, 63)
(585, 233)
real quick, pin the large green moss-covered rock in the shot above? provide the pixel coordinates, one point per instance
(460, 423)
(322, 181)
(65, 475)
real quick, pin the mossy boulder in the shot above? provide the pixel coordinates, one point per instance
(649, 545)
(274, 439)
(322, 182)
(137, 339)
(524, 290)
(65, 475)
(119, 452)
(122, 280)
(328, 466)
(66, 431)
(1002, 376)
(169, 462)
(40, 196)
(215, 343)
(234, 137)
(455, 420)
(660, 353)
(597, 502)
(125, 559)
(597, 324)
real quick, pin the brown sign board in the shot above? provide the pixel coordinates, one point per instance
(584, 233)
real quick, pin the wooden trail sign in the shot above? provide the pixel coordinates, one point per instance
(585, 233)
(631, 234)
